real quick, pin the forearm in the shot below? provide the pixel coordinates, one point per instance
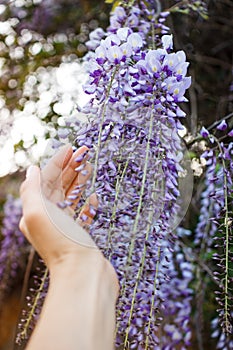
(87, 320)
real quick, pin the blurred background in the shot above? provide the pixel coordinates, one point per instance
(42, 43)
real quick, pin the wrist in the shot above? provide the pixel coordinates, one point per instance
(87, 268)
(89, 285)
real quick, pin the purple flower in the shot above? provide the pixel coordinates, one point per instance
(114, 54)
(35, 299)
(13, 245)
(135, 41)
(222, 126)
(216, 204)
(132, 133)
(204, 132)
(153, 64)
(123, 33)
(167, 42)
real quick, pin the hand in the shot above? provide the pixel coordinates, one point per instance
(83, 284)
(53, 233)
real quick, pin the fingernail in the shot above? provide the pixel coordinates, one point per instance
(80, 186)
(92, 210)
(80, 167)
(83, 217)
(72, 197)
(84, 172)
(76, 191)
(68, 203)
(81, 156)
(61, 205)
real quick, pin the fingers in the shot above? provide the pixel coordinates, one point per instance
(75, 166)
(52, 170)
(88, 211)
(59, 173)
(76, 171)
(76, 189)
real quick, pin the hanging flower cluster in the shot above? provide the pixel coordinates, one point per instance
(136, 83)
(175, 328)
(132, 131)
(126, 77)
(214, 229)
(34, 302)
(224, 341)
(13, 246)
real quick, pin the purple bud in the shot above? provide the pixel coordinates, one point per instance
(92, 210)
(230, 133)
(83, 217)
(222, 126)
(76, 192)
(68, 203)
(84, 172)
(167, 42)
(80, 167)
(72, 197)
(81, 156)
(78, 187)
(204, 132)
(62, 205)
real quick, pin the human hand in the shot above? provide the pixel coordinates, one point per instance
(52, 232)
(83, 284)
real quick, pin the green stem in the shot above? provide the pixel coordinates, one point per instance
(226, 224)
(101, 129)
(227, 322)
(23, 334)
(153, 299)
(212, 126)
(112, 220)
(142, 187)
(138, 277)
(129, 257)
(139, 273)
(136, 226)
(176, 6)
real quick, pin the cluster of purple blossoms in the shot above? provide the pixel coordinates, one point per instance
(125, 76)
(224, 341)
(217, 195)
(140, 18)
(212, 201)
(34, 302)
(214, 229)
(177, 296)
(13, 246)
(132, 132)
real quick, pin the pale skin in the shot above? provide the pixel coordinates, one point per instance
(79, 309)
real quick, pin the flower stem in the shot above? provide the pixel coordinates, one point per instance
(103, 110)
(227, 324)
(136, 226)
(153, 298)
(142, 262)
(23, 334)
(112, 220)
(142, 187)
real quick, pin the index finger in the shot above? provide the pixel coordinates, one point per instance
(52, 171)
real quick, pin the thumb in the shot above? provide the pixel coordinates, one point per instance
(30, 190)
